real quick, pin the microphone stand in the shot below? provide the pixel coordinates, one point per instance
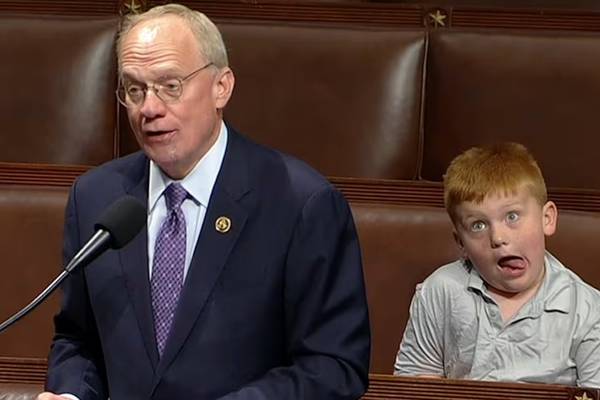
(41, 297)
(96, 245)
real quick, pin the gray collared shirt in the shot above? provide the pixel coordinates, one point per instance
(455, 330)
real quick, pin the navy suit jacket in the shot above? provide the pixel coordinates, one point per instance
(274, 308)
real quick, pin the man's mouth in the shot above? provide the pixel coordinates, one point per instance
(158, 132)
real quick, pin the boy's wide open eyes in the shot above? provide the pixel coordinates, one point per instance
(477, 226)
(512, 217)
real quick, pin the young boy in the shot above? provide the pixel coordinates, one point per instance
(508, 310)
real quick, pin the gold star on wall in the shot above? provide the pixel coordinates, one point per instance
(133, 7)
(437, 18)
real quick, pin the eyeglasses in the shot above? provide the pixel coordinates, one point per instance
(169, 90)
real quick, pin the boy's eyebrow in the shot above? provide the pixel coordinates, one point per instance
(470, 211)
(513, 204)
(464, 217)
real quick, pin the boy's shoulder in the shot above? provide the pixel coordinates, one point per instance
(447, 290)
(448, 278)
(569, 289)
(566, 275)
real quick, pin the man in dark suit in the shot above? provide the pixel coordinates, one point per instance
(247, 282)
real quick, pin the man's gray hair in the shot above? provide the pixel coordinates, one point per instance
(207, 34)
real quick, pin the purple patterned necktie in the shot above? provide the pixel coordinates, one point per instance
(169, 261)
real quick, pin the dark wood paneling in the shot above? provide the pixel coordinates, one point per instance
(40, 174)
(525, 19)
(425, 193)
(390, 191)
(22, 370)
(63, 7)
(310, 11)
(388, 387)
(398, 14)
(422, 193)
(492, 14)
(585, 5)
(32, 371)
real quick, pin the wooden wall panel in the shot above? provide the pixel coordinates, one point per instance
(440, 14)
(40, 174)
(381, 387)
(63, 7)
(525, 19)
(306, 11)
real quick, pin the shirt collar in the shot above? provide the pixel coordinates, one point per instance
(199, 182)
(475, 280)
(556, 290)
(553, 295)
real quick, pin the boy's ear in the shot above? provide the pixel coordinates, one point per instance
(459, 242)
(549, 218)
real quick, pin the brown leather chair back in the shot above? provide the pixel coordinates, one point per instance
(401, 246)
(537, 88)
(57, 103)
(30, 244)
(346, 100)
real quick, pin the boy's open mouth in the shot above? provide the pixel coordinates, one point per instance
(513, 265)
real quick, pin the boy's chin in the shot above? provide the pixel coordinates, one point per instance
(512, 288)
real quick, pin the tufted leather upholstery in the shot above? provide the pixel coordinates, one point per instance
(537, 88)
(57, 103)
(306, 89)
(30, 245)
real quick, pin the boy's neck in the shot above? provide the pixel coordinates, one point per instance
(511, 303)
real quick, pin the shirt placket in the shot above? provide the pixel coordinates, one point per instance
(489, 342)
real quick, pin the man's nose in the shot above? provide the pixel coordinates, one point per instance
(152, 106)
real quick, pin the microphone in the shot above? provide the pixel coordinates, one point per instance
(116, 227)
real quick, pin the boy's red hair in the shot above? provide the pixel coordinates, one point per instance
(500, 168)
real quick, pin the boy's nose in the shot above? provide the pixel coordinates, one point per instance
(498, 238)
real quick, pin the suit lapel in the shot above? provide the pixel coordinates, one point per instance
(212, 249)
(134, 262)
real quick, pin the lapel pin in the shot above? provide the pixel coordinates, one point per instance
(223, 224)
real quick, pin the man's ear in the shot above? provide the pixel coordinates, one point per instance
(223, 88)
(549, 218)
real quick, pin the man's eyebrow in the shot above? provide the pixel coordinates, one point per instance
(128, 77)
(160, 74)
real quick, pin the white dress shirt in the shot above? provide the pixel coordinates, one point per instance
(199, 184)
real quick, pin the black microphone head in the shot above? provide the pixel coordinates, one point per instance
(123, 220)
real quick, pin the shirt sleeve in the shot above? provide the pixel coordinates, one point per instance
(421, 349)
(587, 358)
(69, 396)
